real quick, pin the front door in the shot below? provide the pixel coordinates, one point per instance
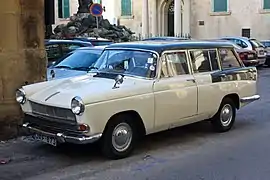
(175, 91)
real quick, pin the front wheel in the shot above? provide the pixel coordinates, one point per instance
(119, 137)
(225, 117)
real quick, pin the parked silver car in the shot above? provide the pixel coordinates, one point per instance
(75, 63)
(250, 44)
(266, 44)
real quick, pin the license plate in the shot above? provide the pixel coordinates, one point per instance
(48, 140)
(250, 56)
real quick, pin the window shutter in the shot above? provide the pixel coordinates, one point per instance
(66, 9)
(220, 5)
(126, 7)
(266, 4)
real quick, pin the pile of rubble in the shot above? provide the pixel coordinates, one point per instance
(85, 25)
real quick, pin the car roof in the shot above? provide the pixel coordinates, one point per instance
(91, 48)
(65, 41)
(165, 38)
(93, 39)
(160, 46)
(237, 37)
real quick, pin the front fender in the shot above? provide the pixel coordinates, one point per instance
(98, 114)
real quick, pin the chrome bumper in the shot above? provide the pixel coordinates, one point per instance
(250, 99)
(62, 138)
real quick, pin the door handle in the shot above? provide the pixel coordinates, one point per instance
(223, 75)
(192, 80)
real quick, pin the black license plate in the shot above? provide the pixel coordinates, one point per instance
(46, 139)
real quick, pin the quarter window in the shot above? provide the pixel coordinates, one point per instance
(174, 64)
(228, 59)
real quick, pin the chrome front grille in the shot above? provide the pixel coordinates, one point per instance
(53, 112)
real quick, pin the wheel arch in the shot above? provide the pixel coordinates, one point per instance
(136, 119)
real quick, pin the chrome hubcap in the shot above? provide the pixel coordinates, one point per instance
(226, 115)
(122, 137)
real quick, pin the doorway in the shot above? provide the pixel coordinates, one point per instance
(171, 19)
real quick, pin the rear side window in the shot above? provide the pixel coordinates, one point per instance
(228, 59)
(204, 60)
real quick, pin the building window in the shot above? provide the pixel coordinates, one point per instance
(220, 5)
(63, 9)
(126, 8)
(98, 1)
(266, 4)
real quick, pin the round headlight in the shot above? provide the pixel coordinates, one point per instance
(20, 96)
(77, 106)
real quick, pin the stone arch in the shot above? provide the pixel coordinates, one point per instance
(163, 7)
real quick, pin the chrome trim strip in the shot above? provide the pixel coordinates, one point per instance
(62, 138)
(250, 98)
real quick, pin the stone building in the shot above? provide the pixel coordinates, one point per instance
(200, 18)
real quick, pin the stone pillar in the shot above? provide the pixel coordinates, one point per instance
(145, 19)
(177, 17)
(22, 56)
(186, 17)
(154, 18)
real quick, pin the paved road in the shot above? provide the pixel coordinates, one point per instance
(193, 152)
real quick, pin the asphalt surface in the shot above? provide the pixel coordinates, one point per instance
(192, 152)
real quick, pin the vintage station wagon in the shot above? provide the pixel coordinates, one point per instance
(138, 88)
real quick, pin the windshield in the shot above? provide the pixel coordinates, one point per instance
(256, 43)
(127, 62)
(80, 60)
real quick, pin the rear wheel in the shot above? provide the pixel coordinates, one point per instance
(119, 137)
(225, 117)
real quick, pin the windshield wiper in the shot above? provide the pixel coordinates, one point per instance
(66, 67)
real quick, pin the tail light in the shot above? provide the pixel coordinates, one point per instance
(242, 56)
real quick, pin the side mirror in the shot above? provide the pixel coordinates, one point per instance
(119, 79)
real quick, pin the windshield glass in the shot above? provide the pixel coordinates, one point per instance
(80, 59)
(256, 43)
(127, 62)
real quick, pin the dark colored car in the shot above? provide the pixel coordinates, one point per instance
(57, 48)
(75, 63)
(94, 41)
(165, 38)
(266, 44)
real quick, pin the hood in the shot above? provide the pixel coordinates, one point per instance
(63, 73)
(91, 89)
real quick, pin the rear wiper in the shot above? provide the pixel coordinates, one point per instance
(66, 67)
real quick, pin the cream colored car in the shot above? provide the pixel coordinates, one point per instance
(139, 88)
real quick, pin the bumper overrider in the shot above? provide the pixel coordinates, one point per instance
(63, 133)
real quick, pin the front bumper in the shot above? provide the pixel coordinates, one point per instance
(62, 134)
